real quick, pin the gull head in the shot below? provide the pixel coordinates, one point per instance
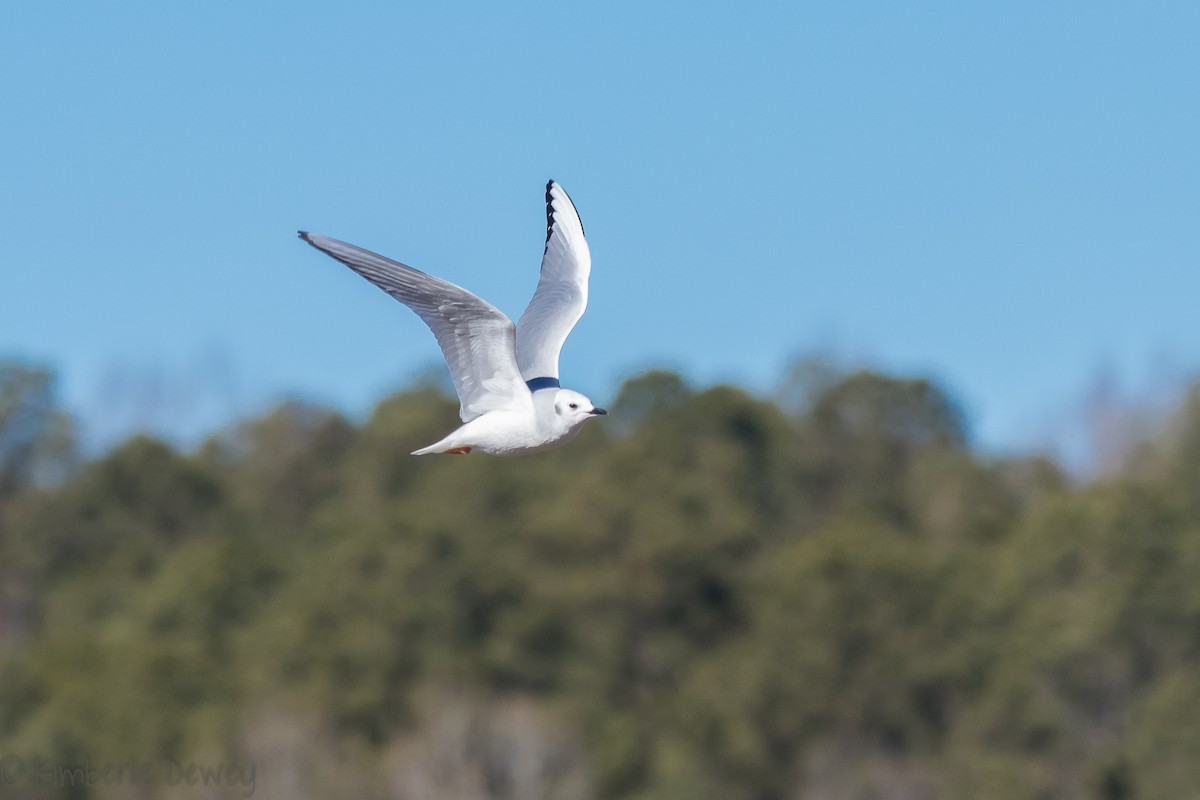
(575, 409)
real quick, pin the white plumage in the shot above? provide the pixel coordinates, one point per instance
(562, 290)
(506, 376)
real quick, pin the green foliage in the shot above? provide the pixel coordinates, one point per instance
(719, 596)
(36, 437)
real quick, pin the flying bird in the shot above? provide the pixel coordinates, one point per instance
(506, 375)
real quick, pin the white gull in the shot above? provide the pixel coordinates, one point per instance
(506, 375)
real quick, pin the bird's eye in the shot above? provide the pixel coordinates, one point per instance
(574, 405)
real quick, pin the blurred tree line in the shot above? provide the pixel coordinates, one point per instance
(827, 594)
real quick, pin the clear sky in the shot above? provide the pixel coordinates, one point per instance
(1002, 196)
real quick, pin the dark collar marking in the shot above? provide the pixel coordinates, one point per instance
(543, 383)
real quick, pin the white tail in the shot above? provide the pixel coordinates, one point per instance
(444, 446)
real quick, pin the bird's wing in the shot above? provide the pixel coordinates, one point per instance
(477, 339)
(561, 293)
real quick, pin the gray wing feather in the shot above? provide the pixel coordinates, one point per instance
(477, 339)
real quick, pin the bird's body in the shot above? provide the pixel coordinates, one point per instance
(506, 375)
(512, 433)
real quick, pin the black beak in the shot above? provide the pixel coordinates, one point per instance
(599, 412)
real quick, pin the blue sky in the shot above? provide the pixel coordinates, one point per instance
(1001, 196)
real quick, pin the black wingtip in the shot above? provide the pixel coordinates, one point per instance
(550, 184)
(549, 214)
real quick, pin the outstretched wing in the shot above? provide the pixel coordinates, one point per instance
(561, 294)
(476, 338)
